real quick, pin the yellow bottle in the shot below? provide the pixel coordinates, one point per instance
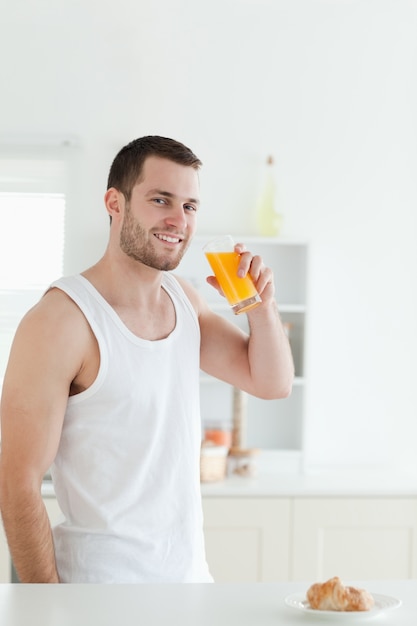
(269, 221)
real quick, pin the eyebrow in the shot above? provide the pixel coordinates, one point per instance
(168, 194)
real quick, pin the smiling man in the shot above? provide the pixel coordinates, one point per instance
(103, 385)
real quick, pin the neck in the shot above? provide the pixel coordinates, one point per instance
(124, 282)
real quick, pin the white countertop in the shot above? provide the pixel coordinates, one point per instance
(282, 474)
(325, 484)
(258, 604)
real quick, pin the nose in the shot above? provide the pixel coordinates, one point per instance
(177, 218)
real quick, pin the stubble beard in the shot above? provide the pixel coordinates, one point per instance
(134, 242)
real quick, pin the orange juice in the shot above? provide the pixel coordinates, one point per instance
(236, 289)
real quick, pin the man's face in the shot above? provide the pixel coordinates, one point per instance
(160, 219)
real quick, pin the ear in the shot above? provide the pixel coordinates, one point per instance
(115, 203)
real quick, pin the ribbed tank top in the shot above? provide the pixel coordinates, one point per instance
(126, 474)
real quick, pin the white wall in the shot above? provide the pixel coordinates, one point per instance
(329, 87)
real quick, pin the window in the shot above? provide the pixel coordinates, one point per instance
(32, 223)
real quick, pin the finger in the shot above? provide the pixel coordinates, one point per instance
(245, 259)
(244, 263)
(256, 267)
(265, 282)
(212, 280)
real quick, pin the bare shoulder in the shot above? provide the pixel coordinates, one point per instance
(195, 298)
(53, 336)
(210, 322)
(215, 328)
(223, 343)
(54, 310)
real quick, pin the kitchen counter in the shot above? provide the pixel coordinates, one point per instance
(188, 605)
(335, 483)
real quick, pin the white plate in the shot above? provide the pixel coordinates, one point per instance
(382, 603)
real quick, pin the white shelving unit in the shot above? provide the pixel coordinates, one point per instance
(271, 424)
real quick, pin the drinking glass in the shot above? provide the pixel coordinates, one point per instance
(240, 292)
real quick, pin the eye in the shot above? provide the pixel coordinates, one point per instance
(159, 200)
(190, 207)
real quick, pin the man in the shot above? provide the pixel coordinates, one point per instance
(102, 384)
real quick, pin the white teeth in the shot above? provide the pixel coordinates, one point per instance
(169, 239)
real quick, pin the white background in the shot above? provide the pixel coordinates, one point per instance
(327, 86)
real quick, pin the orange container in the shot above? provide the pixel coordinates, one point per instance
(240, 291)
(219, 436)
(235, 288)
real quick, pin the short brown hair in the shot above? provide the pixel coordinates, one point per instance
(127, 166)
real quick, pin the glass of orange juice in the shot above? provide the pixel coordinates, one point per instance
(240, 292)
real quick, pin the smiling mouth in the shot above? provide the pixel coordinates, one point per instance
(169, 238)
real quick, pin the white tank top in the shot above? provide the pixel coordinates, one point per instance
(126, 474)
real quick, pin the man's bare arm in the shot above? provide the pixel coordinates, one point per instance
(44, 359)
(260, 363)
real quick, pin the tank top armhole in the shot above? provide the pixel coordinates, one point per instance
(65, 287)
(171, 284)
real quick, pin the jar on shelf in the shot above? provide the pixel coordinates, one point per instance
(218, 432)
(242, 462)
(213, 462)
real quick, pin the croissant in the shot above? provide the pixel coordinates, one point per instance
(332, 595)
